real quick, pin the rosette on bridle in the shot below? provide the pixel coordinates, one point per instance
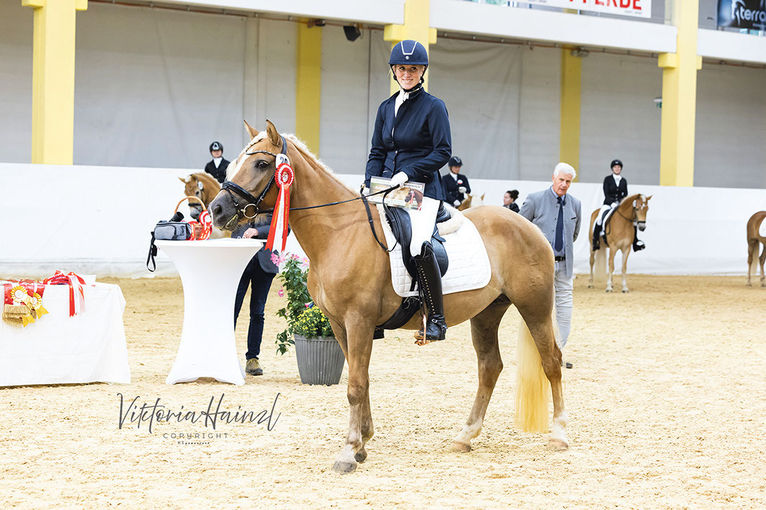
(284, 177)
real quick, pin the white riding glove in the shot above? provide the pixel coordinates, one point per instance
(365, 191)
(457, 203)
(399, 178)
(461, 189)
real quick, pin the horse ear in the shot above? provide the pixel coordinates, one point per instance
(482, 196)
(649, 197)
(185, 180)
(250, 130)
(274, 136)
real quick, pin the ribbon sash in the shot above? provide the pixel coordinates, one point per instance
(284, 178)
(76, 291)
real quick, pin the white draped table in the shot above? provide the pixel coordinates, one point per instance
(210, 273)
(57, 348)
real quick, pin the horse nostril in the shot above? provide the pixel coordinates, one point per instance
(217, 210)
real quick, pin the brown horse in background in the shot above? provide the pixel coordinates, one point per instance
(468, 202)
(350, 280)
(619, 235)
(754, 241)
(203, 186)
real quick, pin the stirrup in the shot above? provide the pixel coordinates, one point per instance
(436, 330)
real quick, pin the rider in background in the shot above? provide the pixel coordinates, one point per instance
(454, 183)
(412, 140)
(217, 166)
(615, 189)
(509, 200)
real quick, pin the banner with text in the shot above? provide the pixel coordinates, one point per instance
(750, 14)
(641, 8)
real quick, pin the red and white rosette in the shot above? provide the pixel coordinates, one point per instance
(207, 225)
(76, 291)
(284, 177)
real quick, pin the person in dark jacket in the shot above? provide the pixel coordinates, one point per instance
(412, 140)
(258, 274)
(615, 190)
(509, 200)
(454, 183)
(217, 166)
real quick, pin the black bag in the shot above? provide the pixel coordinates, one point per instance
(166, 231)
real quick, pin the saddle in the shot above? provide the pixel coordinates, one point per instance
(457, 245)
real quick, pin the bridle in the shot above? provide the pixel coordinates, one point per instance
(242, 211)
(634, 217)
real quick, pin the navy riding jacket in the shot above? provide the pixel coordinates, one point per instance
(417, 141)
(612, 192)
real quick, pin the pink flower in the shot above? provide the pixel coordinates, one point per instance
(307, 305)
(281, 293)
(274, 258)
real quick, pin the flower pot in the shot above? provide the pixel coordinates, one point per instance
(320, 360)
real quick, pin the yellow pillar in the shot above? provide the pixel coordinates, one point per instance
(679, 98)
(308, 85)
(417, 26)
(571, 84)
(53, 79)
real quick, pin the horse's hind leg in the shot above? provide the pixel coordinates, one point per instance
(762, 261)
(612, 253)
(752, 252)
(539, 322)
(484, 328)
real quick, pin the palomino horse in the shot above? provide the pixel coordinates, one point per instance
(201, 185)
(469, 201)
(620, 234)
(754, 240)
(350, 280)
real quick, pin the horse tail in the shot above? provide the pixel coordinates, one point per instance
(753, 249)
(532, 385)
(599, 263)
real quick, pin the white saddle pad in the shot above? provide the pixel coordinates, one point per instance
(468, 269)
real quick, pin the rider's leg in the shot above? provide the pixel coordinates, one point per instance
(429, 276)
(638, 245)
(597, 227)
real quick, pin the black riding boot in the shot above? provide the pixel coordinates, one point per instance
(638, 245)
(430, 282)
(596, 237)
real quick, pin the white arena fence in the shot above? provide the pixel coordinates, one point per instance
(97, 220)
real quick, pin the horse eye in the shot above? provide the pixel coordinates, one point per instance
(261, 164)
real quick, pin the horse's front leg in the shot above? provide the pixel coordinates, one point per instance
(625, 254)
(592, 262)
(763, 262)
(612, 253)
(359, 349)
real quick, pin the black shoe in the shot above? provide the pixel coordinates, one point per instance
(430, 283)
(638, 245)
(378, 334)
(596, 237)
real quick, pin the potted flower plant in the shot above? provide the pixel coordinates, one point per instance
(320, 358)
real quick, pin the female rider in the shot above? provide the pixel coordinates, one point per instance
(412, 141)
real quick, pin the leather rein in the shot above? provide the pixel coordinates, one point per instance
(243, 211)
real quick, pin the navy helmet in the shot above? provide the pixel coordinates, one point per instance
(616, 162)
(216, 146)
(408, 52)
(455, 161)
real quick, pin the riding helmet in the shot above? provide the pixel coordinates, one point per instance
(216, 146)
(408, 52)
(455, 161)
(616, 162)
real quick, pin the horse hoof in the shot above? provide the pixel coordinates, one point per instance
(558, 445)
(625, 291)
(361, 455)
(344, 467)
(590, 285)
(459, 447)
(608, 290)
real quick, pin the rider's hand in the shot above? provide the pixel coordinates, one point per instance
(250, 233)
(399, 178)
(457, 203)
(462, 189)
(365, 191)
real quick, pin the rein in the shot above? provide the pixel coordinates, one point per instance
(235, 190)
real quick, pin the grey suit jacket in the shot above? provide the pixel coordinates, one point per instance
(542, 209)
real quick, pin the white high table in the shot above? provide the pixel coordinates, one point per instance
(210, 273)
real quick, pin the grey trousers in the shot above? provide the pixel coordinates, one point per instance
(563, 289)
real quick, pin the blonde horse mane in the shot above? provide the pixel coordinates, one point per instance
(313, 160)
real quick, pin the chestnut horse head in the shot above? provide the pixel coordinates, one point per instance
(349, 279)
(203, 186)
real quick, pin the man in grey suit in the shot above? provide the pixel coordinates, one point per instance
(557, 215)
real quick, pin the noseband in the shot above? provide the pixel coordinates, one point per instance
(235, 190)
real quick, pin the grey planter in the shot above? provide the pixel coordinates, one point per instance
(320, 360)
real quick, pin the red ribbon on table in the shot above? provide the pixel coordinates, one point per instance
(207, 225)
(31, 286)
(76, 291)
(284, 177)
